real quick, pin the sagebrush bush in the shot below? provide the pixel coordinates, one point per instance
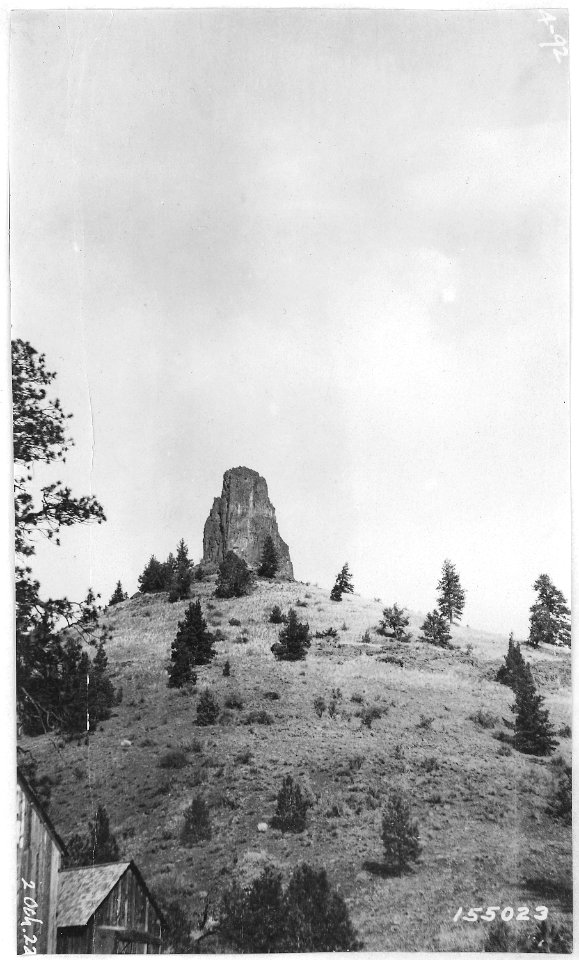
(227, 669)
(173, 760)
(197, 825)
(484, 718)
(319, 706)
(271, 695)
(234, 702)
(369, 714)
(234, 622)
(260, 717)
(561, 805)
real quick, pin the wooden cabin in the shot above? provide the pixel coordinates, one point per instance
(107, 909)
(39, 857)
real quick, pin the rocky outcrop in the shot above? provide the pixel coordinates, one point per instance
(241, 519)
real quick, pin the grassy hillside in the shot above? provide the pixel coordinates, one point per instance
(486, 836)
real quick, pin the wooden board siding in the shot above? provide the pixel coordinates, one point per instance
(38, 862)
(126, 921)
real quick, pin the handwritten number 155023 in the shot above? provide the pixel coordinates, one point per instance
(558, 43)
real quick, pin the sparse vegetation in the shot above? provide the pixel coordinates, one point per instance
(484, 718)
(320, 706)
(173, 760)
(561, 805)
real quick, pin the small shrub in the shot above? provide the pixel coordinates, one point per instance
(292, 807)
(194, 746)
(234, 702)
(425, 723)
(399, 834)
(369, 714)
(319, 706)
(344, 627)
(399, 752)
(245, 756)
(197, 825)
(331, 632)
(207, 709)
(429, 764)
(565, 731)
(504, 751)
(227, 669)
(357, 698)
(261, 717)
(234, 622)
(271, 695)
(80, 772)
(484, 718)
(367, 637)
(394, 624)
(173, 760)
(561, 805)
(301, 603)
(355, 762)
(502, 736)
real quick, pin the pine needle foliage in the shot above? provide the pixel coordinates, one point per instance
(451, 596)
(549, 621)
(119, 595)
(399, 834)
(269, 560)
(342, 585)
(235, 578)
(533, 733)
(294, 639)
(394, 623)
(435, 629)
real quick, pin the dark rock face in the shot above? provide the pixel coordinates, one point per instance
(241, 519)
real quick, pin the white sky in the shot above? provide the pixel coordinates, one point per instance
(328, 245)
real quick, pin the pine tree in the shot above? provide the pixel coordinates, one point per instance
(450, 593)
(182, 574)
(153, 577)
(549, 620)
(394, 623)
(294, 639)
(97, 846)
(235, 578)
(269, 560)
(508, 673)
(119, 595)
(292, 807)
(197, 825)
(207, 709)
(316, 917)
(399, 833)
(192, 646)
(101, 692)
(435, 629)
(534, 733)
(42, 656)
(342, 585)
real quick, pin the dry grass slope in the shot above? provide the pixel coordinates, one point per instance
(486, 836)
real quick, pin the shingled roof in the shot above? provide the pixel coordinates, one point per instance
(81, 890)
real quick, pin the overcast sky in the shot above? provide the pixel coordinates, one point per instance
(331, 246)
